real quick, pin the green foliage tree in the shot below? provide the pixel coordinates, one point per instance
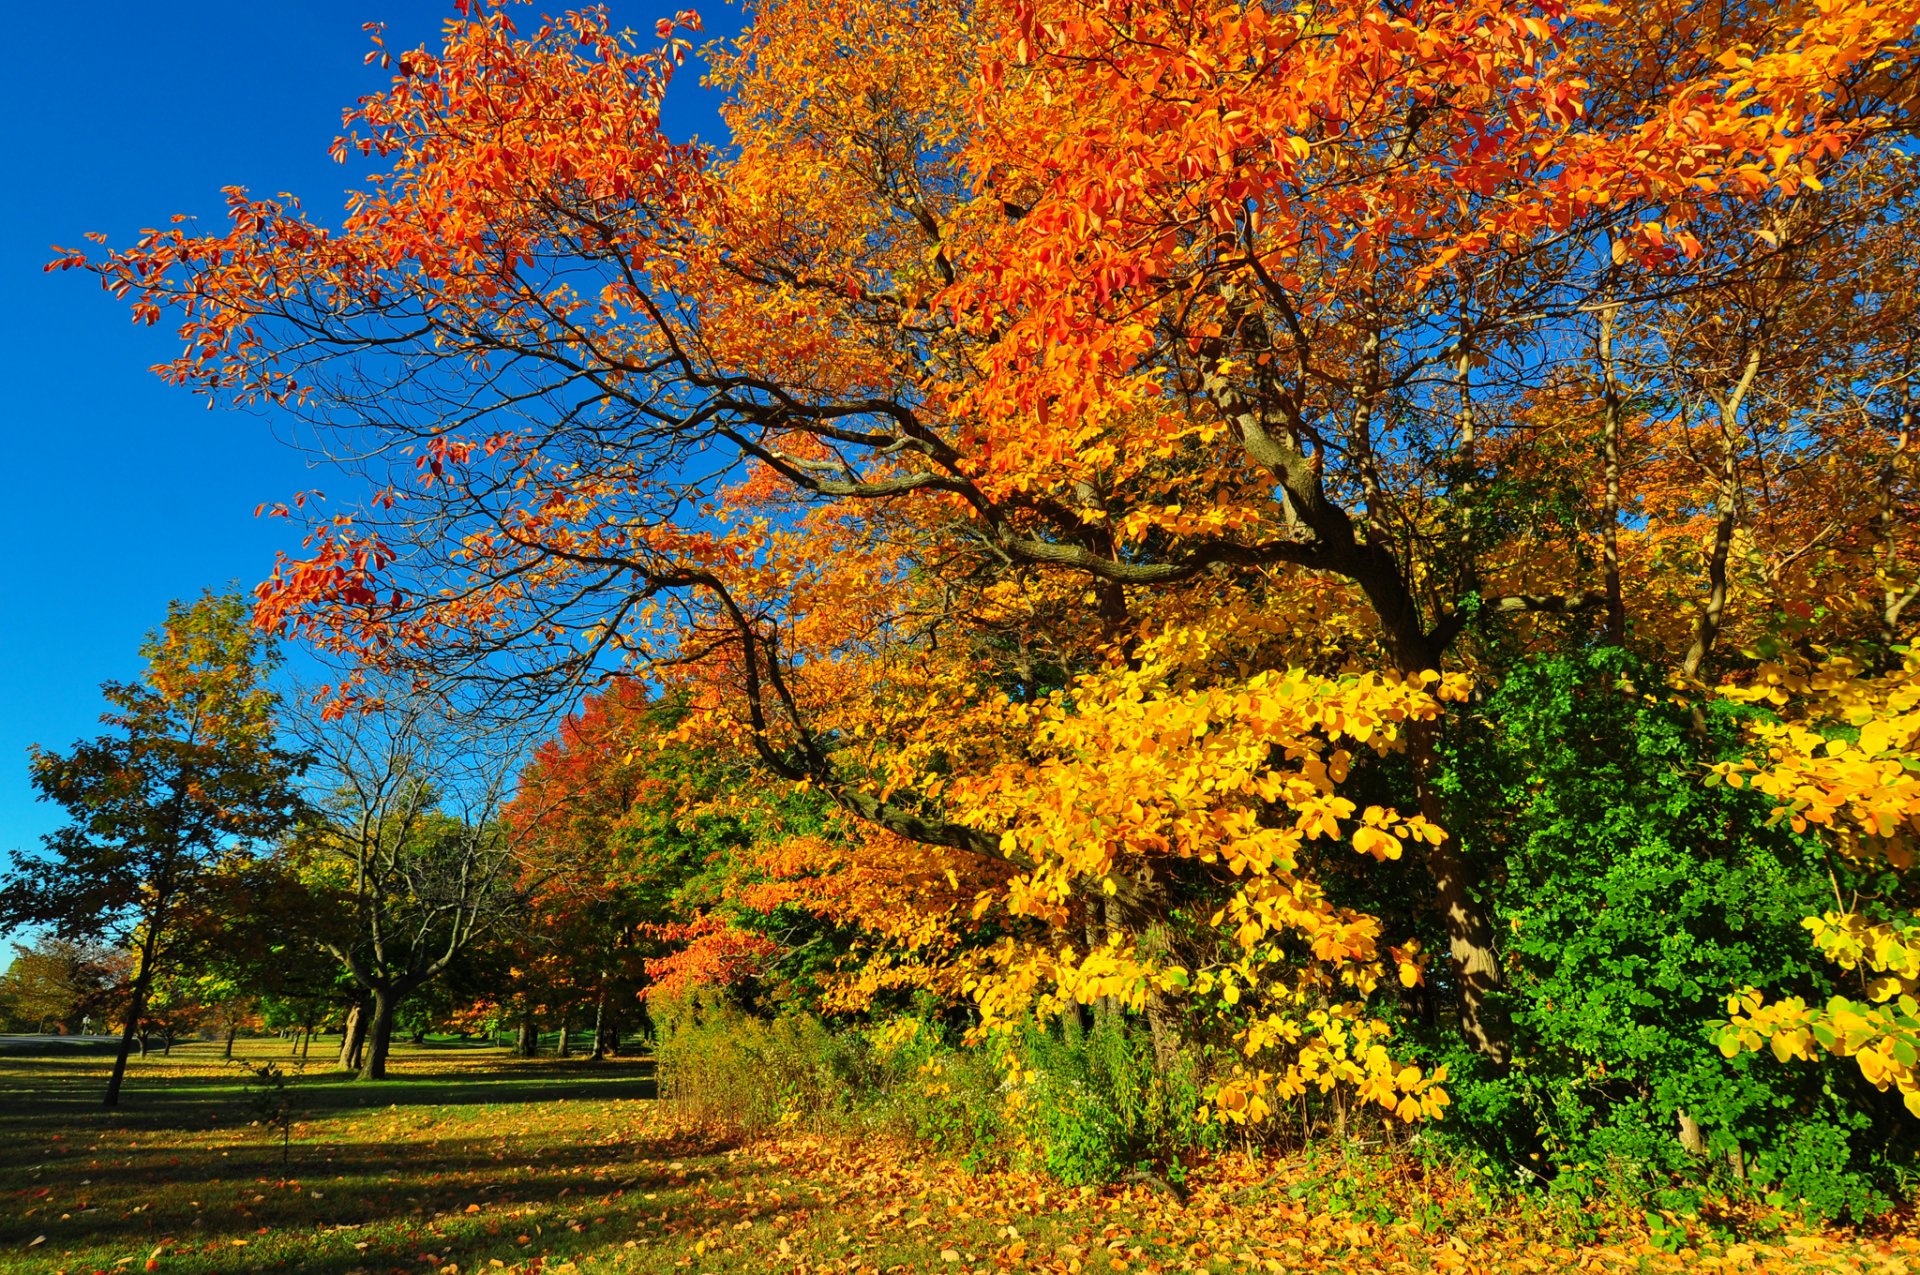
(402, 863)
(189, 774)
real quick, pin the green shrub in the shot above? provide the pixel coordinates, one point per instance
(1082, 1106)
(929, 1088)
(1633, 899)
(722, 1065)
(1100, 1105)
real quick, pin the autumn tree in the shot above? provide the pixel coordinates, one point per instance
(62, 984)
(190, 775)
(646, 857)
(1073, 439)
(588, 894)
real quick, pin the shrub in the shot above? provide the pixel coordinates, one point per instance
(1100, 1106)
(1083, 1106)
(722, 1065)
(1634, 899)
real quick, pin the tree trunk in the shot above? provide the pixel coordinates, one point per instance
(166, 1040)
(1615, 417)
(232, 1029)
(600, 1025)
(136, 1007)
(1692, 1137)
(1476, 964)
(1896, 599)
(373, 1066)
(1706, 624)
(1162, 1024)
(527, 1044)
(563, 1051)
(353, 1036)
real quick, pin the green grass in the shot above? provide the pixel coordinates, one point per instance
(461, 1154)
(467, 1160)
(463, 1159)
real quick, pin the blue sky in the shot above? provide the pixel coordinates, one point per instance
(118, 492)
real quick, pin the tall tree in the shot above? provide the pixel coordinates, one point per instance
(1151, 349)
(190, 774)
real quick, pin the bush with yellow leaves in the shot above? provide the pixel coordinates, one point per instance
(1844, 757)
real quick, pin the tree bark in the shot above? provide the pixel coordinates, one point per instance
(527, 1044)
(1692, 1137)
(373, 1066)
(353, 1036)
(1470, 941)
(1615, 410)
(233, 1029)
(136, 1008)
(600, 1025)
(562, 1051)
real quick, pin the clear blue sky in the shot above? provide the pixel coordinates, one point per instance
(118, 492)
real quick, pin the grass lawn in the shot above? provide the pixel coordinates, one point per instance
(470, 1161)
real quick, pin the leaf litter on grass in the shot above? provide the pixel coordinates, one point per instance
(425, 1175)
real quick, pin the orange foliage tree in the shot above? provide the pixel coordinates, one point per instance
(1064, 435)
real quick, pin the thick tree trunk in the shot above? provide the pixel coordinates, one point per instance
(1470, 946)
(136, 1008)
(353, 1036)
(1361, 554)
(527, 1044)
(565, 1021)
(373, 1066)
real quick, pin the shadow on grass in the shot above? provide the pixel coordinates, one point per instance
(69, 1090)
(55, 1047)
(385, 1204)
(495, 1158)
